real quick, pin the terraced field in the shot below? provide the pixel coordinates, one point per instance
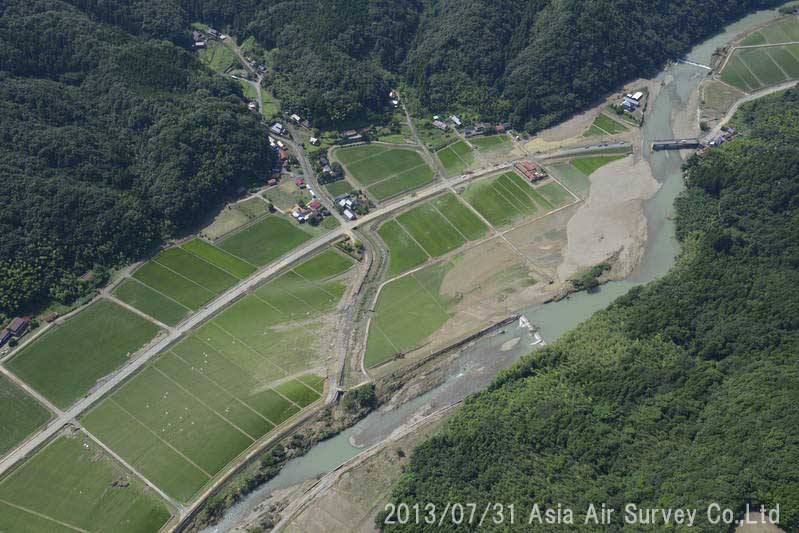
(72, 485)
(431, 229)
(227, 384)
(67, 361)
(383, 170)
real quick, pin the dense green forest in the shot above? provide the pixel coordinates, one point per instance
(682, 393)
(532, 62)
(111, 139)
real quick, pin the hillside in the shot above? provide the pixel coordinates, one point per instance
(111, 141)
(534, 62)
(682, 393)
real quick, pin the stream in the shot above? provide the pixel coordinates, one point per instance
(477, 364)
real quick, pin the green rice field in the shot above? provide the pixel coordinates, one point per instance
(20, 415)
(385, 171)
(589, 165)
(218, 257)
(504, 199)
(431, 229)
(605, 125)
(66, 362)
(456, 158)
(572, 178)
(71, 484)
(555, 194)
(751, 69)
(212, 395)
(265, 241)
(150, 302)
(408, 310)
(171, 284)
(782, 31)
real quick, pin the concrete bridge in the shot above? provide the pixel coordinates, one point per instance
(675, 144)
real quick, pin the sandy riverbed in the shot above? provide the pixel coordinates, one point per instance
(612, 221)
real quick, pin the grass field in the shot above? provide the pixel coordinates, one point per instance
(490, 142)
(218, 257)
(67, 361)
(408, 311)
(234, 216)
(589, 165)
(20, 415)
(71, 484)
(506, 198)
(385, 171)
(456, 158)
(150, 302)
(573, 178)
(218, 57)
(265, 241)
(605, 125)
(339, 187)
(404, 253)
(286, 195)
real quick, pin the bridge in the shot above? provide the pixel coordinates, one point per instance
(675, 144)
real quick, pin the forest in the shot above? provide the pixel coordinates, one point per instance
(682, 393)
(112, 139)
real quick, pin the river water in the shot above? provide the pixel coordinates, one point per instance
(477, 365)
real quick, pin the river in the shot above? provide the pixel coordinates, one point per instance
(477, 365)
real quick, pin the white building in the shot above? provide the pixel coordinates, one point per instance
(278, 128)
(296, 118)
(455, 120)
(349, 214)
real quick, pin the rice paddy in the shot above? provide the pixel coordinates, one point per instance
(505, 198)
(66, 362)
(385, 171)
(456, 158)
(431, 229)
(589, 165)
(224, 386)
(265, 241)
(71, 484)
(604, 125)
(337, 188)
(751, 69)
(20, 416)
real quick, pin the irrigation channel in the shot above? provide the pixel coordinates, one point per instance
(477, 364)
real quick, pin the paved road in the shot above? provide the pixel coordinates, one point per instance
(286, 262)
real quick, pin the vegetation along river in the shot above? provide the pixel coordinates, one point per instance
(477, 365)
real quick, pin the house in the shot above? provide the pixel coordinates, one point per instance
(200, 45)
(281, 145)
(272, 182)
(393, 95)
(349, 133)
(530, 171)
(349, 214)
(300, 182)
(469, 132)
(272, 142)
(395, 103)
(327, 170)
(283, 156)
(277, 128)
(18, 326)
(252, 106)
(50, 317)
(632, 100)
(455, 120)
(507, 126)
(296, 118)
(500, 128)
(213, 32)
(5, 336)
(315, 205)
(306, 124)
(314, 141)
(440, 125)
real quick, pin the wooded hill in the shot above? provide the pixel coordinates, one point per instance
(111, 139)
(682, 393)
(533, 62)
